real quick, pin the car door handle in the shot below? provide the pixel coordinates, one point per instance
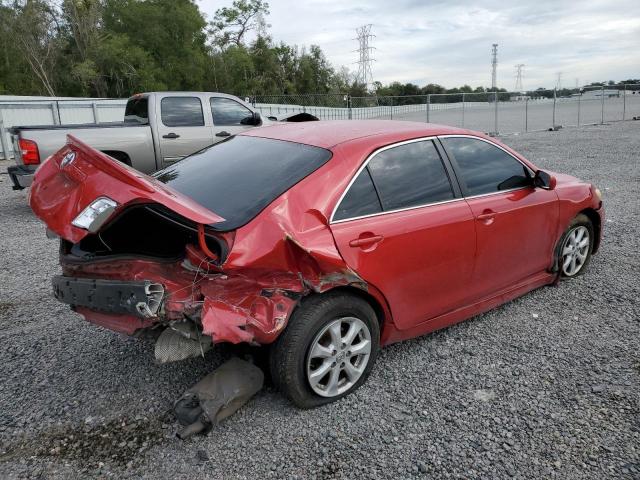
(171, 135)
(486, 216)
(223, 134)
(365, 241)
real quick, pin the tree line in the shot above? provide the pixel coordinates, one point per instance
(114, 48)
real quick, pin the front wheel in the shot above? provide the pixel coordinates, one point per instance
(576, 247)
(327, 349)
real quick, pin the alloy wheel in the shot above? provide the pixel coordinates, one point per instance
(338, 356)
(575, 250)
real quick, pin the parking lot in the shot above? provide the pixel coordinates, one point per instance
(547, 386)
(521, 116)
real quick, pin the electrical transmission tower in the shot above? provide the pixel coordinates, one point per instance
(365, 57)
(494, 66)
(558, 80)
(519, 68)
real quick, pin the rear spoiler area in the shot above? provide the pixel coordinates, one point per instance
(78, 189)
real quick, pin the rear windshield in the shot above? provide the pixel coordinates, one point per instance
(240, 176)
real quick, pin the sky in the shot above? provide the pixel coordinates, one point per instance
(449, 42)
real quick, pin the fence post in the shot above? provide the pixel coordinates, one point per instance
(602, 111)
(3, 139)
(94, 107)
(462, 110)
(391, 99)
(349, 106)
(526, 114)
(55, 113)
(624, 102)
(428, 105)
(553, 120)
(579, 102)
(495, 114)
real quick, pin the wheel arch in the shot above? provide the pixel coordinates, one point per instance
(375, 299)
(594, 217)
(119, 155)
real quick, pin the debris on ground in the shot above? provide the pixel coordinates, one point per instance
(217, 396)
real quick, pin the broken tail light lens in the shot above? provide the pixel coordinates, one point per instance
(94, 216)
(29, 152)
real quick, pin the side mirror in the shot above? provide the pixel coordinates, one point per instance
(544, 180)
(254, 120)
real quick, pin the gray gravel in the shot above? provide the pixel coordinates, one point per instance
(544, 387)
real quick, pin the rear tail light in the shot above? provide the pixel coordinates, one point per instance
(29, 151)
(94, 216)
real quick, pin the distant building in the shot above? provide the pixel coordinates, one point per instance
(519, 97)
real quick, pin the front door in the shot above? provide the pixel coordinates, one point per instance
(515, 222)
(182, 128)
(402, 229)
(229, 117)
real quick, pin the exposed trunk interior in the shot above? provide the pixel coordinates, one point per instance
(142, 231)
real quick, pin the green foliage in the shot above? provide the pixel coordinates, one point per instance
(114, 48)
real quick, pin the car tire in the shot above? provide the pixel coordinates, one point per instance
(317, 342)
(573, 253)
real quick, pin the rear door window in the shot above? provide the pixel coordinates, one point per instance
(361, 199)
(228, 112)
(410, 175)
(486, 168)
(182, 112)
(137, 111)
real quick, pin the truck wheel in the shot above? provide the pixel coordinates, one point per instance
(327, 350)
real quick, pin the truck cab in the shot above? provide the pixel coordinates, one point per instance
(158, 129)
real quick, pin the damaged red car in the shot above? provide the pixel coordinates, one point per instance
(323, 240)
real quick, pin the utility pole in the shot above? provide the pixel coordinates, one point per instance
(494, 66)
(365, 58)
(558, 80)
(519, 69)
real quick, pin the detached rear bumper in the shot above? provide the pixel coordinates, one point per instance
(21, 176)
(141, 299)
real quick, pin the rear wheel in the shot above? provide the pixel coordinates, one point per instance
(576, 247)
(327, 349)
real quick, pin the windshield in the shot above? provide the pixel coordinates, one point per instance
(239, 177)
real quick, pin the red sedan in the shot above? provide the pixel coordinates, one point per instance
(324, 240)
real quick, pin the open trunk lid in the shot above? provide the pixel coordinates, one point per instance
(77, 175)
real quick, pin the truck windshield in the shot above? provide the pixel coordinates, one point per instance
(239, 177)
(137, 111)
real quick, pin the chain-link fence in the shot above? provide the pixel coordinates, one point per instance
(493, 112)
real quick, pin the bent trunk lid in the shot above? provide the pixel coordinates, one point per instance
(66, 183)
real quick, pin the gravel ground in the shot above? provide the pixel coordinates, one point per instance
(546, 386)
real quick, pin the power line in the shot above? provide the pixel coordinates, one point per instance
(519, 69)
(494, 65)
(365, 58)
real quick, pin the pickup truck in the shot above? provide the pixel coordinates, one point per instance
(159, 128)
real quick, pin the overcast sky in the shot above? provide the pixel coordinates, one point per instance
(449, 42)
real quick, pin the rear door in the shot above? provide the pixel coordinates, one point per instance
(403, 227)
(183, 128)
(229, 117)
(515, 222)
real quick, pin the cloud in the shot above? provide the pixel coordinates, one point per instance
(449, 42)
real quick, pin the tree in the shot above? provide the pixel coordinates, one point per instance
(34, 27)
(230, 25)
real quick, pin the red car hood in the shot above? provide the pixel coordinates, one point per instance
(61, 191)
